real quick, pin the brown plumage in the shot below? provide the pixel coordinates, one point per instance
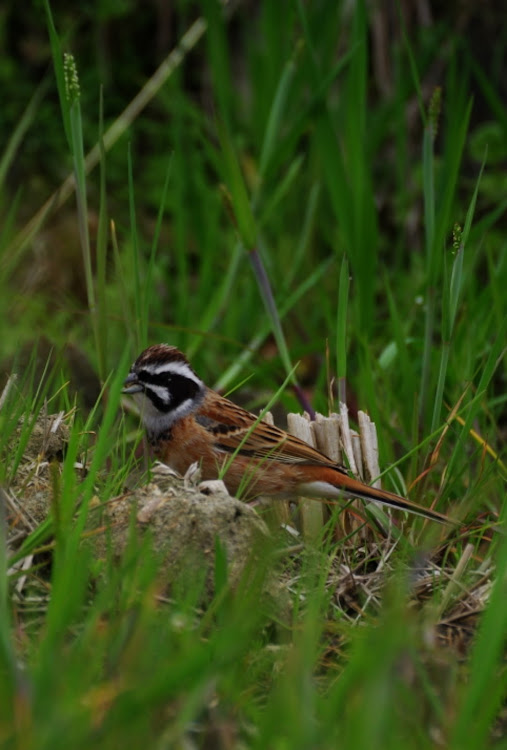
(188, 422)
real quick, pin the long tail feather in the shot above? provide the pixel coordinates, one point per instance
(331, 483)
(394, 501)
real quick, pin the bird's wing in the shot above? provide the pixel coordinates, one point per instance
(236, 429)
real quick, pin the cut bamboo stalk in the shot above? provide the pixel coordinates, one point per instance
(334, 437)
(347, 439)
(358, 456)
(311, 513)
(279, 510)
(327, 436)
(369, 448)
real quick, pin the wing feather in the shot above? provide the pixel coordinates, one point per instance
(233, 428)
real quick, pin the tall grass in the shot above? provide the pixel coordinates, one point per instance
(261, 223)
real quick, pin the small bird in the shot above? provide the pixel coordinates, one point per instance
(188, 422)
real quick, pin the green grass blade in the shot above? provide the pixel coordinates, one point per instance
(101, 253)
(57, 54)
(341, 330)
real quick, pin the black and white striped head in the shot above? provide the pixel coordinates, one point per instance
(164, 386)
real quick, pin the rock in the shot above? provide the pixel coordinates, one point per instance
(184, 525)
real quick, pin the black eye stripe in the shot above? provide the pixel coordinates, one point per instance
(179, 387)
(157, 378)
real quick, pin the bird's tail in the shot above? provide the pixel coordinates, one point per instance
(332, 483)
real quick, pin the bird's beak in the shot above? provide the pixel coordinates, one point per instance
(131, 384)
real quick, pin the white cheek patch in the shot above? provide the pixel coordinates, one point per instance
(156, 421)
(173, 368)
(161, 392)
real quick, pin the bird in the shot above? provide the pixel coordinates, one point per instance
(188, 422)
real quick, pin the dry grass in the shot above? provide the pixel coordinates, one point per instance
(447, 582)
